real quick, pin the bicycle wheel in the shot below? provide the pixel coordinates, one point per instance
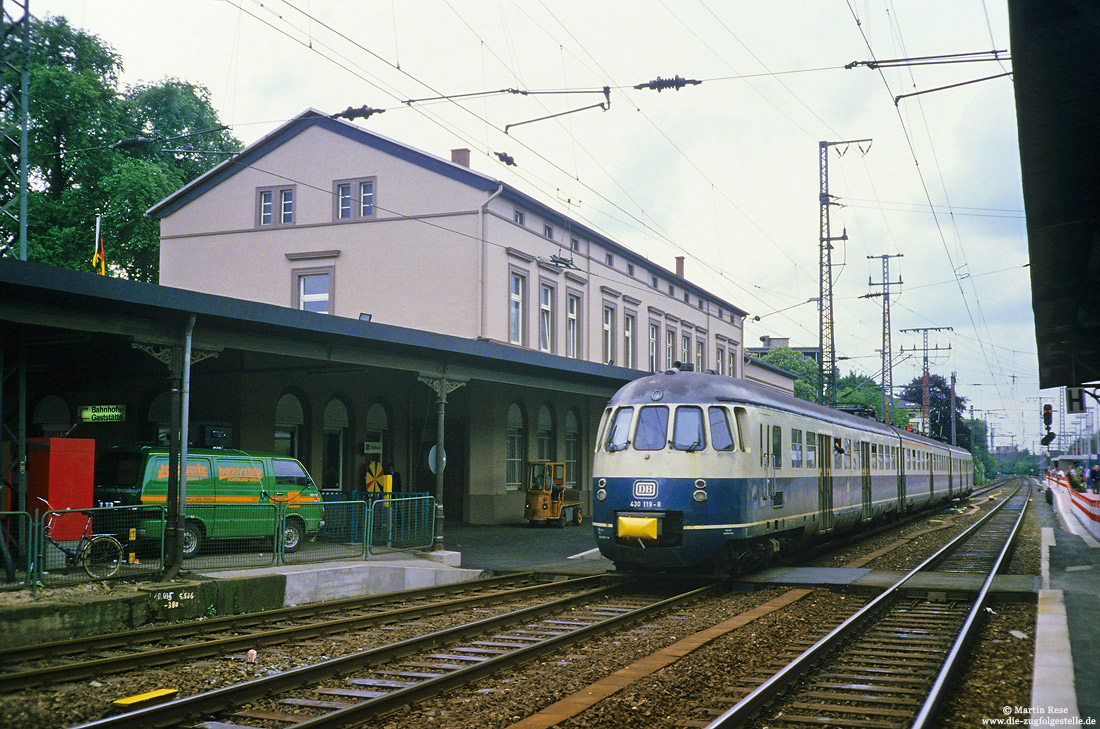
(102, 557)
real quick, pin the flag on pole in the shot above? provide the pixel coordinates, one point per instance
(99, 259)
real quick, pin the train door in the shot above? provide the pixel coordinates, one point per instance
(899, 467)
(865, 476)
(825, 480)
(770, 452)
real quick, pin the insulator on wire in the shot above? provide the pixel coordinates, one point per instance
(506, 158)
(363, 112)
(676, 82)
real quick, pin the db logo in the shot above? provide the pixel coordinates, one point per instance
(645, 489)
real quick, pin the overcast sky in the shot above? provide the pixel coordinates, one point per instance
(725, 172)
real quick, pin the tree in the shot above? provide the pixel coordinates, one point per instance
(854, 389)
(798, 364)
(939, 407)
(78, 115)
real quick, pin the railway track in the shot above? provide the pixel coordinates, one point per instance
(349, 690)
(890, 663)
(97, 656)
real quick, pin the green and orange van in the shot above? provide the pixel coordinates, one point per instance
(226, 494)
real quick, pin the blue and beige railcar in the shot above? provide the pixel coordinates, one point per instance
(699, 470)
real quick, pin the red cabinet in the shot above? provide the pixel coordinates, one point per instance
(60, 471)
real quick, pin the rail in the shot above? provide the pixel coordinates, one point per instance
(768, 691)
(571, 630)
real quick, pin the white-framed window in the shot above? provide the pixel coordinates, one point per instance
(628, 339)
(514, 455)
(609, 259)
(572, 326)
(574, 244)
(630, 269)
(720, 361)
(700, 355)
(685, 348)
(608, 333)
(518, 216)
(670, 347)
(354, 199)
(546, 317)
(548, 231)
(516, 296)
(313, 289)
(654, 334)
(572, 450)
(654, 281)
(275, 206)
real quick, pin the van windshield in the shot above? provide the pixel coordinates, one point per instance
(118, 470)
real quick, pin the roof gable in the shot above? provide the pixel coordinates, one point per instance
(308, 119)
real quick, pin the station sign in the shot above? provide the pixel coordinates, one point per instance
(102, 413)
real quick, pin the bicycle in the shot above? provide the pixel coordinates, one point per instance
(99, 554)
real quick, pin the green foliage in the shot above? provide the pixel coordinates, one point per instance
(804, 369)
(77, 112)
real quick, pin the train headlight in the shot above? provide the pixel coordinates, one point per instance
(601, 495)
(699, 495)
(601, 483)
(700, 484)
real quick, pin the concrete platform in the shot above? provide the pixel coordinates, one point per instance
(1067, 640)
(933, 585)
(306, 583)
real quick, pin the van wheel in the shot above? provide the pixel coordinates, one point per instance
(293, 534)
(192, 539)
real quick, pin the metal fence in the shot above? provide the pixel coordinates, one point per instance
(15, 529)
(399, 524)
(76, 545)
(68, 546)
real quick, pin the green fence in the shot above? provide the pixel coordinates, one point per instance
(15, 561)
(401, 524)
(69, 546)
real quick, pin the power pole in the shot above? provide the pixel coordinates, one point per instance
(926, 349)
(826, 366)
(887, 359)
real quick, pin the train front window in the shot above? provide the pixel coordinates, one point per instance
(619, 434)
(721, 435)
(687, 430)
(652, 433)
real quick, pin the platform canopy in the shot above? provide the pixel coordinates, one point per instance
(1056, 72)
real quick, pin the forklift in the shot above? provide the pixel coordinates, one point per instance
(547, 498)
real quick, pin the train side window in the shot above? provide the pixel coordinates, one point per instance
(618, 436)
(811, 450)
(741, 418)
(796, 448)
(777, 445)
(652, 432)
(721, 435)
(687, 429)
(848, 453)
(603, 424)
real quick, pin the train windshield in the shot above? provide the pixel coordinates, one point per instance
(652, 434)
(721, 434)
(619, 435)
(687, 430)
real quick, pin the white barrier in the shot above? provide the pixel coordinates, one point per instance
(1086, 506)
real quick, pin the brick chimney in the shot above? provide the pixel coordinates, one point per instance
(680, 266)
(461, 157)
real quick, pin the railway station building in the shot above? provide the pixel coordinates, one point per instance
(339, 282)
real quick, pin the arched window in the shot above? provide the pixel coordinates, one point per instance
(572, 450)
(335, 439)
(545, 435)
(289, 423)
(52, 416)
(514, 451)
